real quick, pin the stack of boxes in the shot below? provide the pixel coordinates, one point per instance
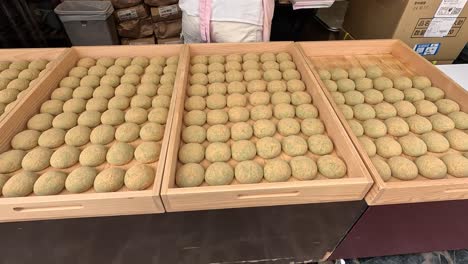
(167, 18)
(135, 26)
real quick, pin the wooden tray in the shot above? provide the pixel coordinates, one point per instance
(50, 54)
(89, 204)
(395, 58)
(352, 187)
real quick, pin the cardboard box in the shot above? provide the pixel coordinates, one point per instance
(168, 29)
(436, 29)
(176, 40)
(169, 12)
(139, 41)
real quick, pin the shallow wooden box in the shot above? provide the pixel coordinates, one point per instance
(353, 187)
(395, 58)
(51, 54)
(90, 203)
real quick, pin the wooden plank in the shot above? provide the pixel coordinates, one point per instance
(353, 187)
(401, 61)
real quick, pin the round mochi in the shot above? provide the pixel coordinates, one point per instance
(356, 127)
(127, 132)
(10, 161)
(86, 62)
(431, 167)
(374, 128)
(118, 102)
(413, 94)
(312, 126)
(199, 78)
(25, 140)
(382, 83)
(191, 153)
(248, 172)
(93, 81)
(457, 165)
(120, 153)
(89, 119)
(38, 64)
(234, 76)
(264, 128)
(236, 100)
(75, 105)
(233, 66)
(37, 159)
(320, 144)
(447, 106)
(195, 117)
(458, 139)
(363, 84)
(281, 111)
(268, 147)
(134, 69)
(258, 112)
(216, 101)
(373, 96)
(8, 95)
(433, 93)
(435, 142)
(217, 88)
(236, 87)
(259, 98)
(267, 56)
(421, 82)
(193, 134)
(136, 115)
(199, 68)
(256, 86)
(63, 94)
(218, 133)
(331, 167)
(356, 73)
(219, 173)
(216, 67)
(105, 61)
(413, 146)
(241, 114)
(216, 59)
(306, 111)
(338, 98)
(294, 146)
(353, 98)
(363, 112)
(148, 152)
(403, 168)
(130, 78)
(52, 138)
(97, 70)
(345, 85)
(103, 92)
(18, 84)
(199, 59)
(158, 115)
(419, 124)
(283, 56)
(157, 60)
(303, 168)
(270, 65)
(382, 168)
(147, 89)
(243, 150)
(161, 101)
(215, 77)
(298, 98)
(460, 119)
(272, 75)
(115, 70)
(373, 72)
(388, 147)
(65, 157)
(102, 134)
(11, 74)
(369, 146)
(384, 110)
(295, 86)
(40, 122)
(152, 132)
(288, 126)
(78, 136)
(19, 65)
(347, 111)
(251, 75)
(277, 170)
(234, 57)
(111, 80)
(241, 131)
(331, 85)
(393, 95)
(113, 117)
(250, 65)
(338, 74)
(139, 177)
(402, 83)
(195, 103)
(276, 86)
(190, 175)
(93, 155)
(441, 123)
(215, 117)
(405, 108)
(396, 126)
(140, 100)
(291, 74)
(20, 185)
(80, 179)
(141, 61)
(109, 180)
(425, 108)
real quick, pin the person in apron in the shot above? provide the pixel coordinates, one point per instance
(205, 21)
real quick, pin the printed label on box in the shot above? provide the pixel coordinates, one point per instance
(165, 11)
(450, 8)
(439, 27)
(427, 48)
(127, 14)
(423, 24)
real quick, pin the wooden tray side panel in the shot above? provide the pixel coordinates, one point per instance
(347, 47)
(268, 194)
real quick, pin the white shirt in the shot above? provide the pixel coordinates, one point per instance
(244, 11)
